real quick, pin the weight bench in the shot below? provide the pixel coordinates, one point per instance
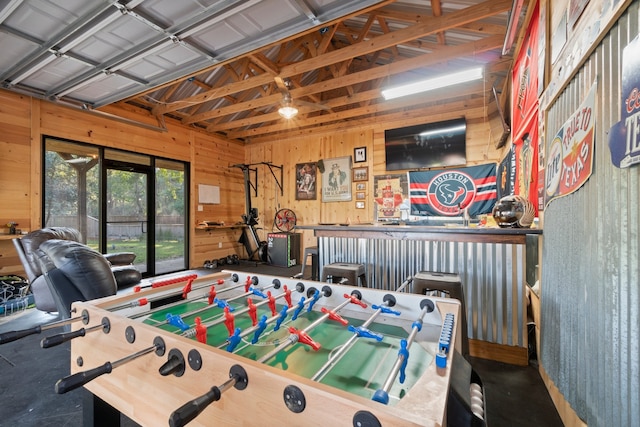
(346, 273)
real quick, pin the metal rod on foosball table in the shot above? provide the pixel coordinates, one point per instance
(54, 340)
(294, 338)
(144, 301)
(15, 335)
(252, 291)
(268, 321)
(382, 395)
(191, 332)
(71, 382)
(337, 356)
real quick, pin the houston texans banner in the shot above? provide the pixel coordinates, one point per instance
(624, 137)
(448, 192)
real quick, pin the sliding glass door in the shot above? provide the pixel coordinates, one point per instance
(126, 208)
(120, 202)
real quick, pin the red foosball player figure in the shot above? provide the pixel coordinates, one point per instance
(229, 320)
(304, 338)
(201, 331)
(272, 303)
(253, 311)
(212, 294)
(187, 289)
(287, 296)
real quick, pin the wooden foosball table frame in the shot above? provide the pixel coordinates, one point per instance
(137, 390)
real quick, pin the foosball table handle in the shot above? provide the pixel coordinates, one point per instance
(79, 379)
(190, 410)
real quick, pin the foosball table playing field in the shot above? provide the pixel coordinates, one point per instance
(236, 349)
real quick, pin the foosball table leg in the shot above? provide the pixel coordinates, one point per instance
(98, 413)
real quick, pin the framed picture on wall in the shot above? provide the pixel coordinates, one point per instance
(360, 195)
(361, 186)
(306, 188)
(360, 154)
(359, 205)
(336, 179)
(360, 173)
(390, 197)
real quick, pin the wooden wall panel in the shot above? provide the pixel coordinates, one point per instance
(289, 152)
(24, 120)
(15, 160)
(80, 126)
(211, 159)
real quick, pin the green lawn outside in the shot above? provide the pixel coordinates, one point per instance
(167, 249)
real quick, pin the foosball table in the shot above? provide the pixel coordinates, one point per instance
(236, 349)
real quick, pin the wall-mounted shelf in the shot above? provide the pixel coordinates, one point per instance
(220, 227)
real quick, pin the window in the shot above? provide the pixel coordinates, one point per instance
(119, 201)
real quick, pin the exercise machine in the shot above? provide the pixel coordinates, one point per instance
(256, 248)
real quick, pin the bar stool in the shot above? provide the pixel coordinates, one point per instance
(348, 272)
(313, 252)
(451, 285)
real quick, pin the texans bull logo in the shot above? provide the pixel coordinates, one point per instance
(449, 192)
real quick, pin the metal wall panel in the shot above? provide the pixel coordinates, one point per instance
(590, 270)
(492, 274)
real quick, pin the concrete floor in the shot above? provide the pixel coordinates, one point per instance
(515, 396)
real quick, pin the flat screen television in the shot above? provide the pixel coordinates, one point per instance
(431, 145)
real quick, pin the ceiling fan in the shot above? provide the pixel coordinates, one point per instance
(288, 107)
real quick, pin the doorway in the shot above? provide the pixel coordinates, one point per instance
(120, 202)
(126, 212)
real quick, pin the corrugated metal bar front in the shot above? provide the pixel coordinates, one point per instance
(492, 274)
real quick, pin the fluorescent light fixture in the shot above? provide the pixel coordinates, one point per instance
(287, 111)
(433, 83)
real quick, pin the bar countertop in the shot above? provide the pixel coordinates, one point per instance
(454, 232)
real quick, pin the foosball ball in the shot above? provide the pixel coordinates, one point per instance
(232, 349)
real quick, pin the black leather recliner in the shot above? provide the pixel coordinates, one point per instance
(27, 246)
(74, 272)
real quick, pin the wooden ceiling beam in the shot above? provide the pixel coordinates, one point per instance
(265, 63)
(384, 71)
(462, 91)
(472, 108)
(436, 10)
(421, 29)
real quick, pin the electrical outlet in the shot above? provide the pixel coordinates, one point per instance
(220, 245)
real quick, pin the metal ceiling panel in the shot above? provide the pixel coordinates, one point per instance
(101, 87)
(249, 24)
(43, 18)
(171, 13)
(13, 49)
(129, 39)
(221, 64)
(153, 66)
(55, 73)
(116, 38)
